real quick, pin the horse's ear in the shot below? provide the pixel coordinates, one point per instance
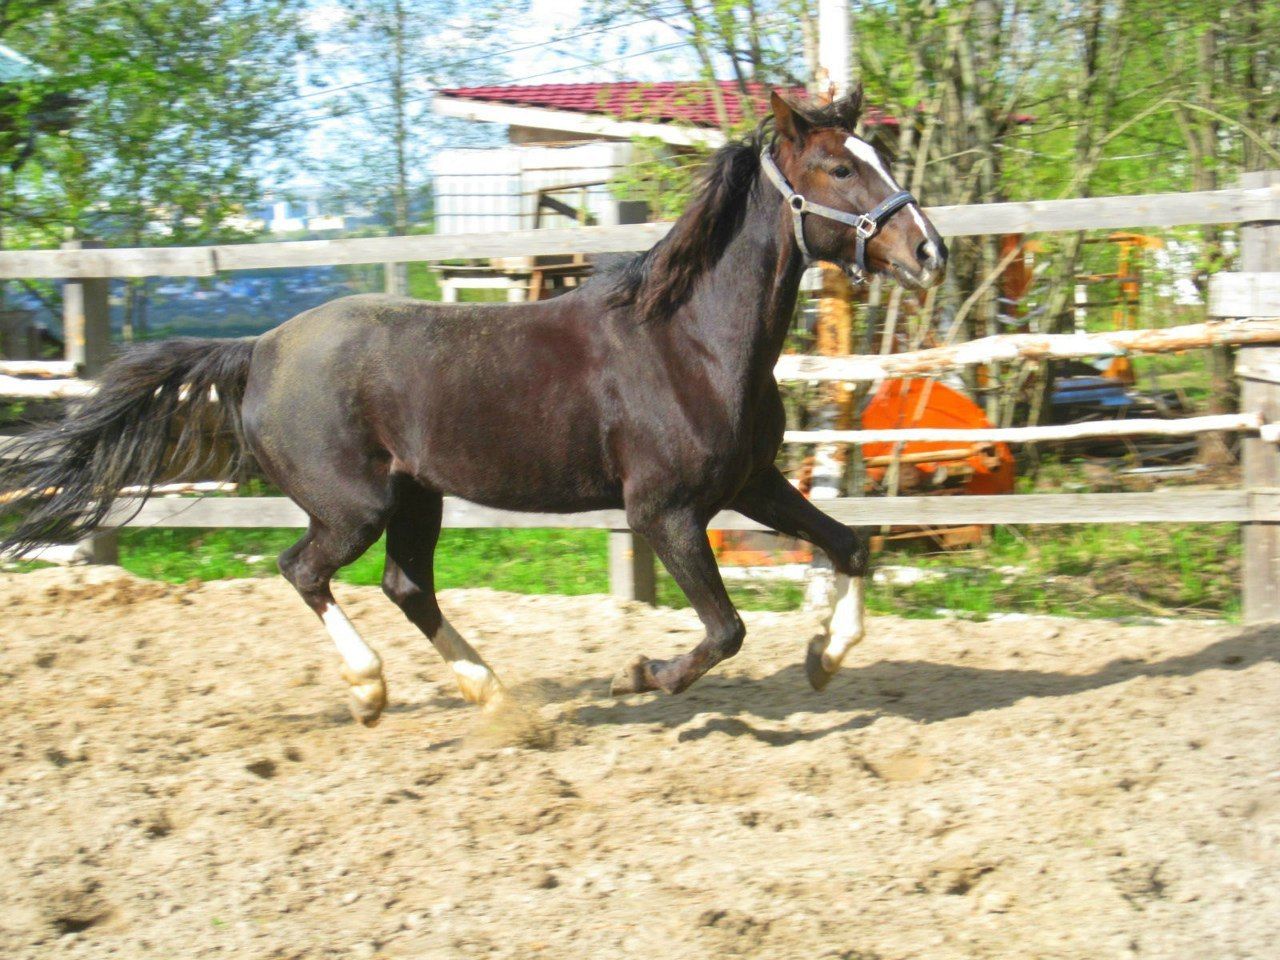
(850, 107)
(788, 119)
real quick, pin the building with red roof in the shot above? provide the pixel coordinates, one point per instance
(681, 113)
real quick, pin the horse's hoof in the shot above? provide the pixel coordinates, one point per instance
(815, 664)
(631, 679)
(367, 700)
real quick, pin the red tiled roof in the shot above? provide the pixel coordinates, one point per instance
(667, 102)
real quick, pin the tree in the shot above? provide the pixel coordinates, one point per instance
(402, 50)
(178, 103)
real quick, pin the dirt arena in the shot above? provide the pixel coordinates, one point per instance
(179, 778)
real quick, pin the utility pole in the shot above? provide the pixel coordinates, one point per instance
(835, 45)
(833, 327)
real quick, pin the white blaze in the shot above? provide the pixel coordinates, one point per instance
(868, 155)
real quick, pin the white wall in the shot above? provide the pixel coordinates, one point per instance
(494, 189)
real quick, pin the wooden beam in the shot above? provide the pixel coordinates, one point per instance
(1174, 505)
(1067, 431)
(632, 569)
(38, 368)
(1109, 213)
(1028, 346)
(129, 262)
(44, 389)
(1164, 209)
(1260, 461)
(1244, 295)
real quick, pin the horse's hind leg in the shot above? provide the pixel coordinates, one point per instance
(310, 565)
(409, 580)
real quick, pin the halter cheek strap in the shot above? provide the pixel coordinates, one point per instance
(867, 225)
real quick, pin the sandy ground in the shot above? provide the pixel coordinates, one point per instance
(179, 778)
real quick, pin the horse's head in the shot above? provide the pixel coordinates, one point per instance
(845, 207)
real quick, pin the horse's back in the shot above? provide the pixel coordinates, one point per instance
(496, 403)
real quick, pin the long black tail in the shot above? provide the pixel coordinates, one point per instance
(154, 415)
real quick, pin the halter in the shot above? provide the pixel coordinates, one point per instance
(867, 225)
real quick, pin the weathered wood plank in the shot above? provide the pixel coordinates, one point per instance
(44, 389)
(516, 243)
(632, 570)
(1165, 209)
(1260, 466)
(1244, 295)
(1260, 569)
(128, 262)
(1028, 346)
(1106, 213)
(1180, 505)
(38, 368)
(1067, 431)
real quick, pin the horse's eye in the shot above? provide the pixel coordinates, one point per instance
(841, 172)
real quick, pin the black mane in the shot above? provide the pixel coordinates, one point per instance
(655, 283)
(659, 280)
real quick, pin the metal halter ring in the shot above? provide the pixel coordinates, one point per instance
(865, 225)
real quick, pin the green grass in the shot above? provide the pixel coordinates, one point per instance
(520, 561)
(1080, 571)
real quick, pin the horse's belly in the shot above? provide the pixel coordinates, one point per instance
(528, 470)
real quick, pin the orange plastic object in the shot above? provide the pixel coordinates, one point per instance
(926, 403)
(747, 548)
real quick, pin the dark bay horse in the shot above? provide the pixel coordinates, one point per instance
(650, 388)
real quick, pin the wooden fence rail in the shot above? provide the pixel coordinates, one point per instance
(1028, 346)
(1185, 505)
(869, 367)
(1096, 213)
(1253, 293)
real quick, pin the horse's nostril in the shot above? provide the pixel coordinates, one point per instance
(930, 254)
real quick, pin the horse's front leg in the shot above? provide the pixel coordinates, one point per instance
(769, 499)
(679, 538)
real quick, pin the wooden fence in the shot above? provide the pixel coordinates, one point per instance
(1245, 307)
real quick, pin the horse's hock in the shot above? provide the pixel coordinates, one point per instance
(178, 779)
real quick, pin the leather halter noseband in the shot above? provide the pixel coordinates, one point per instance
(867, 224)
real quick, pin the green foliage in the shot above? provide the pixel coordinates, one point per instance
(406, 49)
(175, 104)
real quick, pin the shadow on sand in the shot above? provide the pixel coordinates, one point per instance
(919, 690)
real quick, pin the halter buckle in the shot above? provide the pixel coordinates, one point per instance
(866, 227)
(855, 274)
(797, 202)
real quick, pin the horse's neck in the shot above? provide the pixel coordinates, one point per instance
(744, 305)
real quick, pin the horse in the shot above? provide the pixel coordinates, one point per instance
(649, 388)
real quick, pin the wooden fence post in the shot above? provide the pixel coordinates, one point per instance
(1259, 367)
(632, 575)
(86, 330)
(395, 279)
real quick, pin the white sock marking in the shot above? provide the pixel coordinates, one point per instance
(359, 657)
(476, 672)
(846, 626)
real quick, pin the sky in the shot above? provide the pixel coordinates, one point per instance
(536, 55)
